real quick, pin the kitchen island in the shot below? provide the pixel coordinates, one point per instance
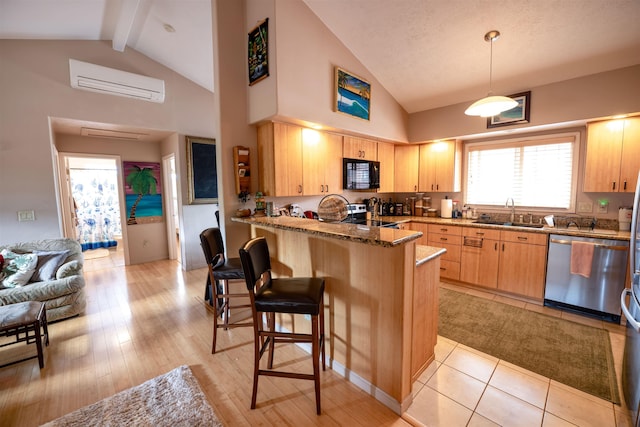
(381, 298)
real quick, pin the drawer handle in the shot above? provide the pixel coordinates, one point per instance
(523, 238)
(444, 230)
(479, 233)
(444, 239)
(443, 269)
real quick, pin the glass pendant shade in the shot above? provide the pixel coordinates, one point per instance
(490, 106)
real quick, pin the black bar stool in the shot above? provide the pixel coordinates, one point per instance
(221, 270)
(299, 295)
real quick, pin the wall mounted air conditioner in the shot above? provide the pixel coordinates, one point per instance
(97, 78)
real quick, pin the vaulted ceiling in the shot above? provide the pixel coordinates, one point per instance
(426, 53)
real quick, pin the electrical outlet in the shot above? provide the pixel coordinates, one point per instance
(603, 206)
(585, 207)
(26, 216)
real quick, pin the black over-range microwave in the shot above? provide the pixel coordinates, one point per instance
(359, 174)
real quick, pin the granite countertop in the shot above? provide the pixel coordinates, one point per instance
(427, 253)
(378, 236)
(596, 233)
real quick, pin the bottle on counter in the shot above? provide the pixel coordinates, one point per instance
(392, 207)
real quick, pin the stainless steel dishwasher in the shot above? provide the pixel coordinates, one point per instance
(599, 294)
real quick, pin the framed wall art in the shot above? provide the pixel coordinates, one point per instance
(202, 170)
(518, 114)
(143, 192)
(353, 95)
(257, 58)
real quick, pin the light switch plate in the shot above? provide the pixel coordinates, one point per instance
(26, 216)
(585, 207)
(603, 207)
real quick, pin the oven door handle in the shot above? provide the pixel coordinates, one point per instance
(630, 320)
(597, 245)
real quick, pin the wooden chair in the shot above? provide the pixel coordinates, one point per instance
(298, 295)
(221, 270)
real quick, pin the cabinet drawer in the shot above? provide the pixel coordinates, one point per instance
(449, 269)
(444, 239)
(524, 237)
(484, 233)
(453, 250)
(445, 229)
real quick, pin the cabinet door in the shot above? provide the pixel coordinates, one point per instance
(386, 158)
(423, 228)
(447, 171)
(321, 163)
(359, 148)
(287, 159)
(522, 269)
(479, 261)
(427, 169)
(630, 164)
(406, 168)
(604, 148)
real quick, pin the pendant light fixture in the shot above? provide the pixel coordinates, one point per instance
(491, 105)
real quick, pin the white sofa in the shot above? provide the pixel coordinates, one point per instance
(63, 294)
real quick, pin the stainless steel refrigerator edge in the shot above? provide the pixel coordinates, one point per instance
(631, 361)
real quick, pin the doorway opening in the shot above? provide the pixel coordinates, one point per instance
(94, 212)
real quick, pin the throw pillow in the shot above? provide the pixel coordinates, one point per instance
(48, 264)
(18, 268)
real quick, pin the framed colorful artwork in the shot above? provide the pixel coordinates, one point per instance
(258, 50)
(516, 115)
(353, 95)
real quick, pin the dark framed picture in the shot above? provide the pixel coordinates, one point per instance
(353, 95)
(257, 58)
(202, 170)
(518, 114)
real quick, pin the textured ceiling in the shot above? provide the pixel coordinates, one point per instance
(426, 53)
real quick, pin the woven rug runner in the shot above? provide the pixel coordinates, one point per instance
(173, 399)
(577, 355)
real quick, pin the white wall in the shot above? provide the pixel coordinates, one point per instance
(303, 56)
(584, 98)
(34, 82)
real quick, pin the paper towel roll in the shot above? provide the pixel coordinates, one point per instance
(446, 206)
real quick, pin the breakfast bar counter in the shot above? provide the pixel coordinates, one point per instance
(381, 297)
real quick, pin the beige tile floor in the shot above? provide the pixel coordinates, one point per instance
(465, 387)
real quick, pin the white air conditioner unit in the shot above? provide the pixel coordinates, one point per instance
(97, 78)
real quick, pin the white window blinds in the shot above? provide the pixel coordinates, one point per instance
(535, 173)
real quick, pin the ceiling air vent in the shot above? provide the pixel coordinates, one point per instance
(97, 78)
(114, 134)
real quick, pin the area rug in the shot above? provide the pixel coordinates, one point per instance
(172, 399)
(577, 355)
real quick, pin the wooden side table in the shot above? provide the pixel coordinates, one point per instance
(27, 322)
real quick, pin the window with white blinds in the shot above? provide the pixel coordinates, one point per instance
(536, 173)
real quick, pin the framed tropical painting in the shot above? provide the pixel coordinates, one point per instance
(516, 115)
(258, 50)
(353, 95)
(202, 170)
(143, 192)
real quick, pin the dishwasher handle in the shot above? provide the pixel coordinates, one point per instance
(597, 245)
(625, 310)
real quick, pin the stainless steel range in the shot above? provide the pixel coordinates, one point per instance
(357, 214)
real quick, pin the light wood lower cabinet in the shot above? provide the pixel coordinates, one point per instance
(480, 256)
(523, 259)
(510, 261)
(450, 238)
(418, 226)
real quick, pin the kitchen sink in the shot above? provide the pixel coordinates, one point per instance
(507, 224)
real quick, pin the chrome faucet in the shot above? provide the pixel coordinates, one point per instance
(513, 209)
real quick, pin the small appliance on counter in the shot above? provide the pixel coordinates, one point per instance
(624, 218)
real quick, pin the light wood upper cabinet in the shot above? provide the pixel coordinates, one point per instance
(321, 163)
(613, 156)
(360, 148)
(440, 166)
(296, 161)
(386, 157)
(407, 158)
(280, 159)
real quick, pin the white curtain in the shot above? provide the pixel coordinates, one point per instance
(95, 193)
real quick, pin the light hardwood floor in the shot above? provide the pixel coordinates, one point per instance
(142, 321)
